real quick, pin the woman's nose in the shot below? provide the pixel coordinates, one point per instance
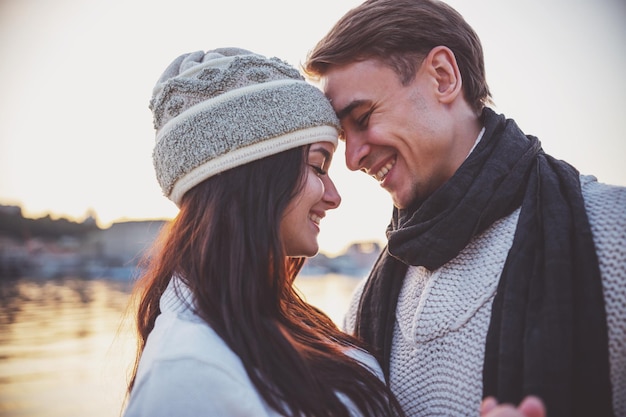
(331, 195)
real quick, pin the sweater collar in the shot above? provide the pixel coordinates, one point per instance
(178, 299)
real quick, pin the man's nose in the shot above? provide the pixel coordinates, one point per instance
(357, 150)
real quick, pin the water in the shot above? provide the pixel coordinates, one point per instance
(66, 345)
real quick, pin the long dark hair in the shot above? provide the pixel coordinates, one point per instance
(225, 246)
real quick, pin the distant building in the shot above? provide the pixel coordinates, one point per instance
(357, 260)
(11, 210)
(115, 252)
(126, 242)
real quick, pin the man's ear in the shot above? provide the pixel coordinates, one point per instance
(445, 70)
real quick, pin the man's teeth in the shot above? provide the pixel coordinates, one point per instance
(380, 175)
(315, 218)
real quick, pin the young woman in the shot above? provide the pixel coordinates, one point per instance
(243, 147)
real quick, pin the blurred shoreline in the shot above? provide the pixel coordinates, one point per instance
(49, 248)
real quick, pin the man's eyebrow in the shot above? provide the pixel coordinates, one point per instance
(346, 110)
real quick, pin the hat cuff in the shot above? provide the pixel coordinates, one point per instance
(251, 153)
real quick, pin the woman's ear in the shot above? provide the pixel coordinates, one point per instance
(445, 70)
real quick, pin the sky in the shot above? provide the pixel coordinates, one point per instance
(76, 77)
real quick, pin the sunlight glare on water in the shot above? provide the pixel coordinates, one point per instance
(66, 347)
(60, 353)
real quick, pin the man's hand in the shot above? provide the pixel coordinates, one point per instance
(530, 407)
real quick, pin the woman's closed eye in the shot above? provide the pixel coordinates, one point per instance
(318, 170)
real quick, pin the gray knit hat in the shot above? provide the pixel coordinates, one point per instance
(217, 110)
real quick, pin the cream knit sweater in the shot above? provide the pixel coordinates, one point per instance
(443, 315)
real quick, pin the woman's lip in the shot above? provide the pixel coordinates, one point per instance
(316, 217)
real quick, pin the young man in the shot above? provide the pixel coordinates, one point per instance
(501, 260)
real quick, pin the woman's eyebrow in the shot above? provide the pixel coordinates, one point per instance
(323, 151)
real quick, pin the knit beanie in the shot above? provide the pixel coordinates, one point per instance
(223, 108)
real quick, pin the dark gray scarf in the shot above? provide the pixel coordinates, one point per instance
(548, 332)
